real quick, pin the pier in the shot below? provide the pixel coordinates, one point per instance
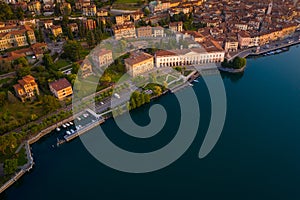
(84, 129)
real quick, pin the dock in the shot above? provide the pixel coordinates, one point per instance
(99, 120)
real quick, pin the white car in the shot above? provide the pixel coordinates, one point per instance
(117, 95)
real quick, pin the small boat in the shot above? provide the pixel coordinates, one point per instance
(71, 123)
(64, 126)
(67, 124)
(196, 81)
(72, 131)
(191, 84)
(68, 133)
(85, 115)
(57, 129)
(78, 118)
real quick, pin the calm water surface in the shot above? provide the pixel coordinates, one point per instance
(257, 156)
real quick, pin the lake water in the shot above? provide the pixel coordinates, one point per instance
(256, 157)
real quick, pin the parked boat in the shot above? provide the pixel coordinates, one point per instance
(67, 124)
(57, 129)
(68, 133)
(72, 131)
(71, 123)
(196, 81)
(78, 118)
(64, 126)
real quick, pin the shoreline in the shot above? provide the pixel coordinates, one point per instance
(232, 70)
(30, 162)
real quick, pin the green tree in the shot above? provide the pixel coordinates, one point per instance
(50, 103)
(10, 166)
(105, 78)
(6, 12)
(70, 34)
(19, 13)
(147, 98)
(23, 71)
(21, 62)
(2, 98)
(3, 144)
(75, 68)
(73, 50)
(157, 91)
(90, 38)
(47, 60)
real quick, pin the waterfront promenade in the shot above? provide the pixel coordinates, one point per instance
(266, 48)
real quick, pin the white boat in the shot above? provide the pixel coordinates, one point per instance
(71, 123)
(64, 126)
(67, 124)
(68, 133)
(196, 81)
(191, 84)
(78, 118)
(57, 129)
(72, 131)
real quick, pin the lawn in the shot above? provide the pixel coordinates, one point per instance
(14, 114)
(61, 63)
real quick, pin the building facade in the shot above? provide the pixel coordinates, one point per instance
(138, 63)
(195, 56)
(176, 26)
(102, 58)
(19, 37)
(27, 88)
(145, 31)
(126, 30)
(61, 88)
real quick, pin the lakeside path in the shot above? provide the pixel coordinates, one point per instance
(294, 40)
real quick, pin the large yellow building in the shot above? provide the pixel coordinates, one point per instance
(61, 88)
(138, 63)
(22, 36)
(56, 30)
(127, 30)
(35, 6)
(26, 88)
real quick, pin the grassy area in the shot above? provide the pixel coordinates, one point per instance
(171, 78)
(61, 63)
(17, 113)
(21, 156)
(5, 81)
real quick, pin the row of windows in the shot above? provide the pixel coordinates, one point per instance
(191, 58)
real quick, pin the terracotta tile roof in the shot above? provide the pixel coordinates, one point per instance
(60, 84)
(137, 57)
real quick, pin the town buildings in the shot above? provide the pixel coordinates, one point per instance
(176, 26)
(56, 30)
(127, 30)
(139, 63)
(16, 36)
(102, 58)
(26, 88)
(145, 31)
(61, 88)
(194, 56)
(89, 10)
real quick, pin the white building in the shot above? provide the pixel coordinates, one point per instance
(158, 31)
(195, 56)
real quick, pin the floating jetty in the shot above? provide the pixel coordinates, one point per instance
(84, 129)
(81, 130)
